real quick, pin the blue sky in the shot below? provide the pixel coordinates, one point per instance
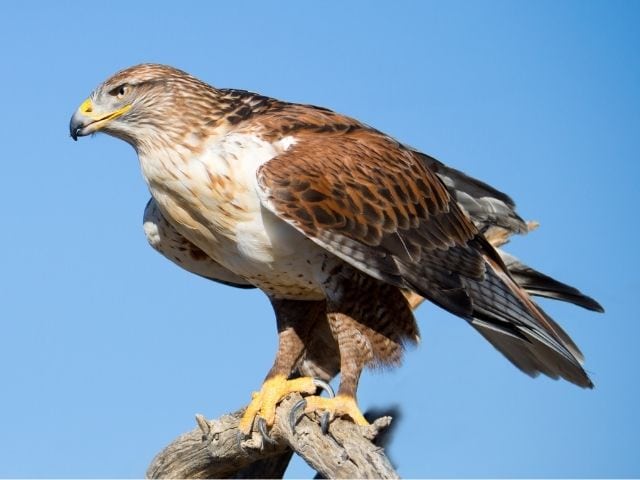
(107, 350)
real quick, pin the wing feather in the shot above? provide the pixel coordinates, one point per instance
(365, 188)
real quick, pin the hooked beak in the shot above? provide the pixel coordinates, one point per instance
(76, 125)
(86, 121)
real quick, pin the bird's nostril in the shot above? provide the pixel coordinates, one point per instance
(86, 106)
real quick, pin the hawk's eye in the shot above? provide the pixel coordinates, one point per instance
(120, 91)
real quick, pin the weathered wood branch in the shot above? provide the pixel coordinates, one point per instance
(215, 449)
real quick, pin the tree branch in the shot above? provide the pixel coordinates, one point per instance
(216, 449)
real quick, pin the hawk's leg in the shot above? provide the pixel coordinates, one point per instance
(354, 355)
(370, 322)
(295, 320)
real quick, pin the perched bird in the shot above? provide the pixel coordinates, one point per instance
(338, 223)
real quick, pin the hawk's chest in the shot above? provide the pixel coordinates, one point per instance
(210, 195)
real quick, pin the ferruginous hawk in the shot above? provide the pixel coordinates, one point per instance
(333, 220)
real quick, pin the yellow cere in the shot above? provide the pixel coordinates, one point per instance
(86, 108)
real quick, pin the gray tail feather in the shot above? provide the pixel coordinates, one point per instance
(531, 356)
(541, 285)
(564, 336)
(521, 331)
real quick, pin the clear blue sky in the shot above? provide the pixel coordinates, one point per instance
(107, 350)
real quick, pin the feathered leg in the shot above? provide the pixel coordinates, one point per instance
(370, 322)
(295, 319)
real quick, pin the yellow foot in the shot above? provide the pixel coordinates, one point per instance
(341, 405)
(263, 403)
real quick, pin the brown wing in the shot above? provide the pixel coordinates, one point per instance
(369, 201)
(373, 203)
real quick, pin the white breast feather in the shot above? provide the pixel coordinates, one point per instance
(214, 202)
(237, 156)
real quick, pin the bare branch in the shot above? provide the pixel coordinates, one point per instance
(215, 449)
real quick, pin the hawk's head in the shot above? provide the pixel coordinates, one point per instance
(136, 104)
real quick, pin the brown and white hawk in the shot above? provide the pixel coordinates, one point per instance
(335, 221)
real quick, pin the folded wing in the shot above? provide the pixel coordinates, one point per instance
(381, 208)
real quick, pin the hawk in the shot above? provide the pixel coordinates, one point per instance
(341, 225)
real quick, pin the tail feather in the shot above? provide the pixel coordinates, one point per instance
(564, 336)
(532, 357)
(541, 285)
(507, 317)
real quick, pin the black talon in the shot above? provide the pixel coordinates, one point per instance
(325, 419)
(325, 386)
(262, 428)
(324, 422)
(294, 413)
